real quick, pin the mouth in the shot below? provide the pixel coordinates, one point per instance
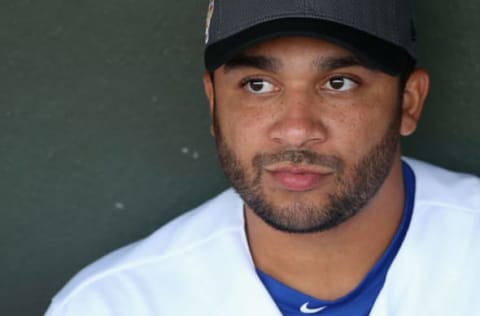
(298, 178)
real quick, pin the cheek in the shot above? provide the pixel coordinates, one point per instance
(350, 133)
(360, 127)
(243, 131)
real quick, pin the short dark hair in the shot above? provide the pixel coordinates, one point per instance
(407, 70)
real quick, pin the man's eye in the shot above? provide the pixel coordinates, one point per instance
(340, 84)
(259, 86)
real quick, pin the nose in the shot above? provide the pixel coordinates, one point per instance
(298, 122)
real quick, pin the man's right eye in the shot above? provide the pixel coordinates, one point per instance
(258, 86)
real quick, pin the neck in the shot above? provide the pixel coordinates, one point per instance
(329, 264)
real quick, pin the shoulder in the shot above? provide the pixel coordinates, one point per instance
(446, 214)
(446, 207)
(160, 256)
(441, 245)
(443, 188)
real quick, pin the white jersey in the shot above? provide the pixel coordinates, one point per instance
(200, 264)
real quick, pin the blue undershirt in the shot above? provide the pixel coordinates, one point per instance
(360, 301)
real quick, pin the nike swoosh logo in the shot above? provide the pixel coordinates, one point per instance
(306, 310)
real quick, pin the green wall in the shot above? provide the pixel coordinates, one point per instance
(104, 126)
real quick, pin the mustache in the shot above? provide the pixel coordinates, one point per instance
(298, 157)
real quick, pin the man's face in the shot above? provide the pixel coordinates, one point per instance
(305, 133)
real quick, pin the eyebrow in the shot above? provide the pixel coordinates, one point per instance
(273, 64)
(260, 62)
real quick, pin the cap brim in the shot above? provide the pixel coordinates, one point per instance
(376, 53)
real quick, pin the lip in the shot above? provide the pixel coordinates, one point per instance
(298, 178)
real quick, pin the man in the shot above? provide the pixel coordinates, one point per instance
(308, 101)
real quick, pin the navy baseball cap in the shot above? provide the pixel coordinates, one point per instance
(381, 32)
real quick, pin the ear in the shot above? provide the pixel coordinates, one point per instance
(210, 93)
(416, 90)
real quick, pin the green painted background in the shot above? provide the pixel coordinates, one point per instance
(104, 127)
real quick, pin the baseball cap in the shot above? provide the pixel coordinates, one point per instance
(381, 32)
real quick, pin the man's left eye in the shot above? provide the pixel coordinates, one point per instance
(258, 86)
(340, 83)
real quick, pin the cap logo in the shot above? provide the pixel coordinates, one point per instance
(211, 7)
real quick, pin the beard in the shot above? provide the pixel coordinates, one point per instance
(354, 187)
